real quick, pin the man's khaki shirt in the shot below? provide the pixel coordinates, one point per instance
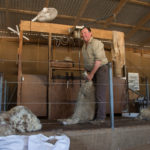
(92, 52)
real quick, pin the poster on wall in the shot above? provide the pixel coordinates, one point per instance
(133, 81)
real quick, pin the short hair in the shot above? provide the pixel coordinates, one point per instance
(88, 28)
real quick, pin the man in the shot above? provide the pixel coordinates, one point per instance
(95, 64)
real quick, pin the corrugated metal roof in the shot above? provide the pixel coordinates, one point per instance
(147, 24)
(132, 13)
(99, 10)
(128, 16)
(66, 7)
(35, 5)
(2, 3)
(63, 21)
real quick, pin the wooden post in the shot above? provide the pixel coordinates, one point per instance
(118, 53)
(19, 68)
(50, 56)
(142, 51)
(37, 54)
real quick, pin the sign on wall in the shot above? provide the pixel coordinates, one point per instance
(133, 81)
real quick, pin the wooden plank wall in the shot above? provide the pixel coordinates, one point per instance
(34, 93)
(136, 61)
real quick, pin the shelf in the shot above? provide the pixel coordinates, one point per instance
(69, 69)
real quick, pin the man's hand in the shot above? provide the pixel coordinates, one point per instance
(95, 68)
(90, 76)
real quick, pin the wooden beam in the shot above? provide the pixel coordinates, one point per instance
(116, 11)
(44, 27)
(118, 53)
(19, 68)
(119, 7)
(129, 26)
(20, 11)
(20, 43)
(73, 18)
(50, 57)
(50, 53)
(46, 3)
(36, 12)
(140, 2)
(69, 69)
(7, 15)
(81, 11)
(139, 25)
(60, 29)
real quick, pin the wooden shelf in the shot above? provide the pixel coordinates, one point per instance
(69, 69)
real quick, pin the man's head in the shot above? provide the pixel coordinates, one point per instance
(86, 34)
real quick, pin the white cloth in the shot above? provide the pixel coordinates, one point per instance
(14, 142)
(34, 142)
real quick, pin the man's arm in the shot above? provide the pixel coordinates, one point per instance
(95, 68)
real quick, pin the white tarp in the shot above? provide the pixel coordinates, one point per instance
(34, 142)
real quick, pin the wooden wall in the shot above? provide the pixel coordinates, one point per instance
(34, 57)
(139, 63)
(34, 93)
(35, 60)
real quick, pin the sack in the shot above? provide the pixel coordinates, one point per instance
(39, 142)
(14, 142)
(34, 142)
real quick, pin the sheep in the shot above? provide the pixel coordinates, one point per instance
(85, 106)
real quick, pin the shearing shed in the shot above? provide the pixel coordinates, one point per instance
(74, 74)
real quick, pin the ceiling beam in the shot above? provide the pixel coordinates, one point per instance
(20, 11)
(138, 25)
(116, 11)
(46, 3)
(81, 11)
(140, 2)
(129, 26)
(7, 13)
(102, 22)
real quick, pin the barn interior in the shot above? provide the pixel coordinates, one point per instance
(41, 67)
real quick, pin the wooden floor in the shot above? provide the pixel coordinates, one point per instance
(73, 131)
(143, 147)
(119, 122)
